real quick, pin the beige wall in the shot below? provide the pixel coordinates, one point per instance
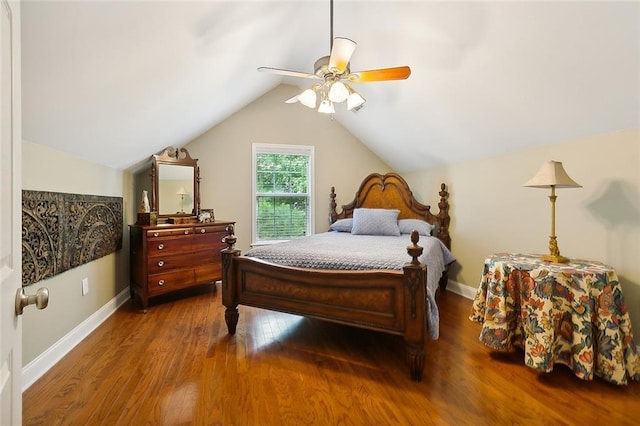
(224, 154)
(492, 212)
(45, 169)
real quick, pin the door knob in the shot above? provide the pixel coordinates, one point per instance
(40, 299)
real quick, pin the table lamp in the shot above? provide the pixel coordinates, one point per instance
(181, 192)
(552, 175)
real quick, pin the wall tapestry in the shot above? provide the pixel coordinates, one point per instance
(62, 231)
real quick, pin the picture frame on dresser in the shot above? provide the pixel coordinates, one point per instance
(206, 216)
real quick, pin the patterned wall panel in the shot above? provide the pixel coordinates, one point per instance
(62, 231)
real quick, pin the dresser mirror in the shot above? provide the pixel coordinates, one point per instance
(176, 184)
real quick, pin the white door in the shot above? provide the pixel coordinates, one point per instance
(10, 215)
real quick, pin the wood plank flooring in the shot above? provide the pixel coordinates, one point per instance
(176, 365)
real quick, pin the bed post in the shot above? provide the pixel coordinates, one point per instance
(229, 285)
(415, 311)
(333, 214)
(443, 217)
(443, 220)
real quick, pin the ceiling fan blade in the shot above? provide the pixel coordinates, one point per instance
(396, 73)
(341, 52)
(288, 73)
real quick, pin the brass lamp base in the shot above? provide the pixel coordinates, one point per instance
(552, 175)
(555, 258)
(554, 252)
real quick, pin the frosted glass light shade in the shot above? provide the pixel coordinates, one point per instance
(338, 92)
(326, 107)
(292, 100)
(308, 98)
(354, 101)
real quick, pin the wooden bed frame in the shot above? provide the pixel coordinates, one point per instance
(384, 300)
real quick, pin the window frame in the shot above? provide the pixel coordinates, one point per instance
(283, 149)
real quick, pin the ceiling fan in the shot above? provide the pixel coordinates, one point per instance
(333, 73)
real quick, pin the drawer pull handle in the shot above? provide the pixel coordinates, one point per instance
(186, 232)
(161, 263)
(161, 283)
(160, 246)
(202, 231)
(155, 234)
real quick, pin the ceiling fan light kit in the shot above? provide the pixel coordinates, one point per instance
(333, 71)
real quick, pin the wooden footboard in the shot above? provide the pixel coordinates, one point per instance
(383, 300)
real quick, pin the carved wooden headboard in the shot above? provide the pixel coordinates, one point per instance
(390, 191)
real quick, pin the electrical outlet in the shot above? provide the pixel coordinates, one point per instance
(85, 286)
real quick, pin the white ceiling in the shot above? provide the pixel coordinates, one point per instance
(114, 82)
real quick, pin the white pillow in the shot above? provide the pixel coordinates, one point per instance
(342, 225)
(408, 225)
(375, 222)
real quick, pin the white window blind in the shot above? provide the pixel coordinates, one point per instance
(282, 182)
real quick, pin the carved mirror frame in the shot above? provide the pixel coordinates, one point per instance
(176, 157)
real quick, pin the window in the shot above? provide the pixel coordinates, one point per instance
(282, 191)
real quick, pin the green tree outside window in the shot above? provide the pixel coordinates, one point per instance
(282, 196)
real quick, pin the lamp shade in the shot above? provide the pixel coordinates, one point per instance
(308, 98)
(326, 107)
(552, 174)
(181, 191)
(354, 101)
(338, 92)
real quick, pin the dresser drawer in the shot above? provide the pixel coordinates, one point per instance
(166, 262)
(171, 281)
(211, 228)
(159, 233)
(208, 273)
(206, 256)
(209, 241)
(209, 266)
(170, 245)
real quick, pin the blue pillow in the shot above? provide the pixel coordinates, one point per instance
(408, 225)
(375, 222)
(342, 225)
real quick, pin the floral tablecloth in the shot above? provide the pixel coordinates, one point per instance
(572, 314)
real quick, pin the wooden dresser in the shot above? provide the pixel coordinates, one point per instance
(166, 258)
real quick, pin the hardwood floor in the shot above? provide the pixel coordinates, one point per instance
(176, 365)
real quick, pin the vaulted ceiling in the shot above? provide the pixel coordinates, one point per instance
(114, 82)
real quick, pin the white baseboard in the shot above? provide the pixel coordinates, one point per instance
(36, 368)
(461, 289)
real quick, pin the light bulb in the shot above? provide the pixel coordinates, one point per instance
(338, 92)
(308, 98)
